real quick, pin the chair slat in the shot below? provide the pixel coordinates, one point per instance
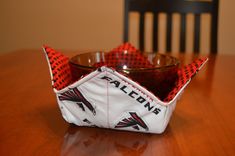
(141, 31)
(169, 33)
(182, 32)
(155, 32)
(197, 27)
(126, 21)
(214, 27)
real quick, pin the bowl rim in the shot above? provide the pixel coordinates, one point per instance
(176, 62)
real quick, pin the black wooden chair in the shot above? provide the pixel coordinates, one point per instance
(183, 7)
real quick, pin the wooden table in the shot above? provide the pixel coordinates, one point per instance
(31, 124)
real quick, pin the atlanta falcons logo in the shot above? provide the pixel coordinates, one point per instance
(76, 96)
(134, 121)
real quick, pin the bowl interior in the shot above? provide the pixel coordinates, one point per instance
(156, 72)
(124, 60)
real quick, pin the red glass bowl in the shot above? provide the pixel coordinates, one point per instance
(156, 72)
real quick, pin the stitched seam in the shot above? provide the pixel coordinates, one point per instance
(107, 95)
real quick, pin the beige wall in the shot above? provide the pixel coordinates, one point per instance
(84, 24)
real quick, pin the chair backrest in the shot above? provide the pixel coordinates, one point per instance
(183, 7)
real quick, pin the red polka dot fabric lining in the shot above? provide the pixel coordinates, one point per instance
(61, 73)
(185, 74)
(119, 59)
(127, 55)
(125, 46)
(62, 77)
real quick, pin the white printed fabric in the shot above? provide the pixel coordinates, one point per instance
(104, 98)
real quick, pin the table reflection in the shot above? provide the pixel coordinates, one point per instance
(95, 141)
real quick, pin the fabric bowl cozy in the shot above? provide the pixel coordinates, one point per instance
(107, 98)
